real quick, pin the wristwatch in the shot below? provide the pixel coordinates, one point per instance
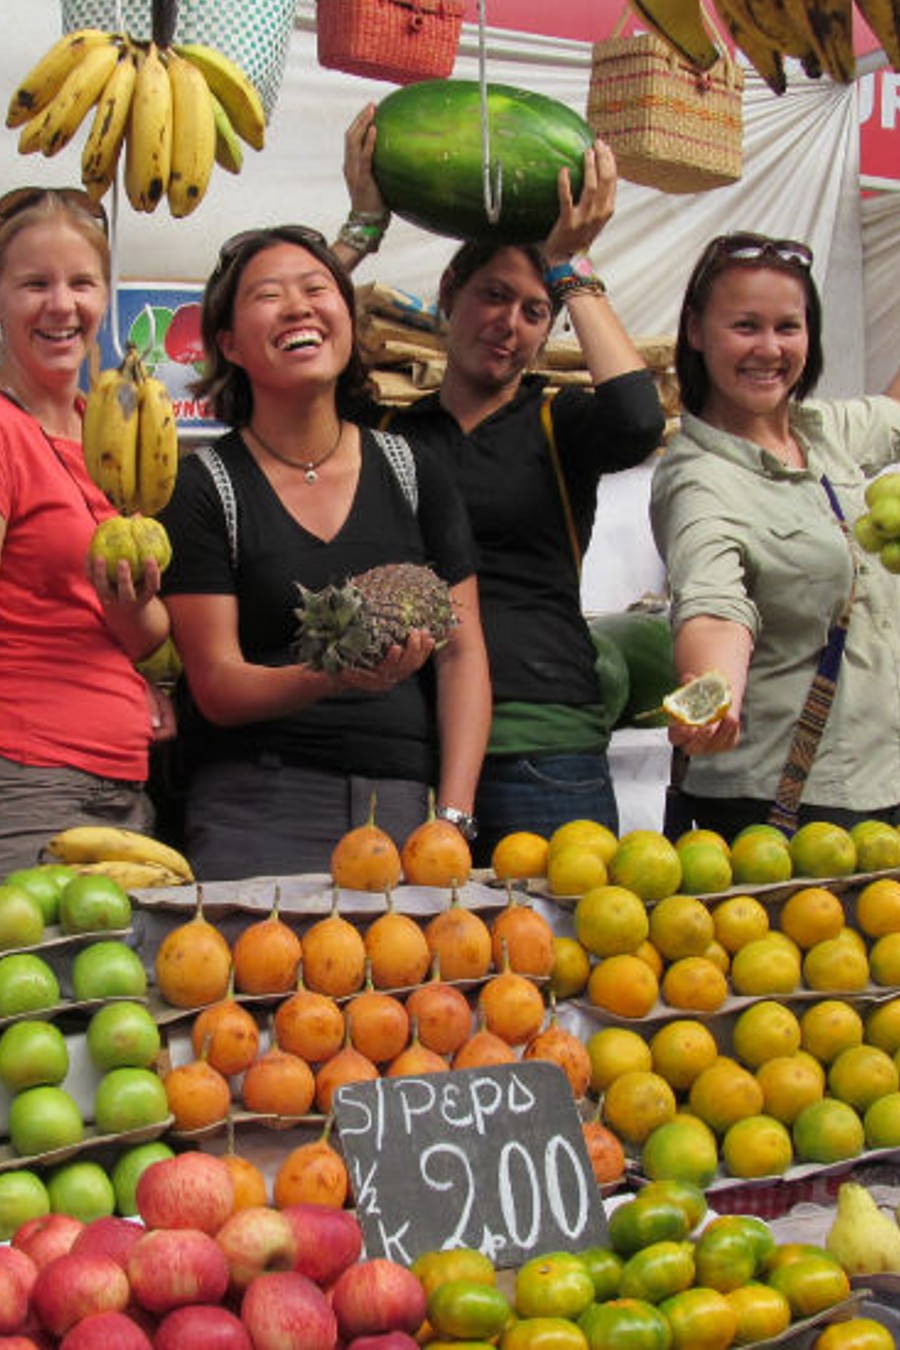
(466, 824)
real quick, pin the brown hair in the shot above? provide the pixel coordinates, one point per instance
(25, 207)
(477, 253)
(225, 384)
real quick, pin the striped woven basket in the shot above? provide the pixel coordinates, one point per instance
(398, 40)
(670, 126)
(254, 33)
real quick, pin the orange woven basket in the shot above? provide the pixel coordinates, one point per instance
(398, 40)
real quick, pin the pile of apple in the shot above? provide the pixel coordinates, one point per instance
(197, 1274)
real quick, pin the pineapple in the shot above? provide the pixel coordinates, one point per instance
(351, 627)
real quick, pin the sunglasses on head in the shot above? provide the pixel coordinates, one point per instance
(21, 199)
(291, 234)
(757, 247)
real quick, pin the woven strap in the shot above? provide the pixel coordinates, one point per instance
(814, 714)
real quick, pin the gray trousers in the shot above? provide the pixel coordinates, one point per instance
(268, 818)
(37, 802)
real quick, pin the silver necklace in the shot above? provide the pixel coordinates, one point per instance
(310, 468)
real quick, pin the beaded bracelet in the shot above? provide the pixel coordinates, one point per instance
(577, 274)
(363, 231)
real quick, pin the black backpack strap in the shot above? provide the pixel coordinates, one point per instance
(214, 464)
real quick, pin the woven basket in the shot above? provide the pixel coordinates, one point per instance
(254, 33)
(398, 40)
(670, 126)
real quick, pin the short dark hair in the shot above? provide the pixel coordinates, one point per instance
(720, 254)
(477, 253)
(225, 384)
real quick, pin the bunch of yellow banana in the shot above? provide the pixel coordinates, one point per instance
(134, 860)
(176, 111)
(130, 438)
(818, 33)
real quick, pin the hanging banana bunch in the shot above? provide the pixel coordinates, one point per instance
(130, 444)
(817, 33)
(172, 111)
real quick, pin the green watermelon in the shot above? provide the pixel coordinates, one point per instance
(645, 642)
(428, 157)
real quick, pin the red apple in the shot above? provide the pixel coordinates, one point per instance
(285, 1308)
(191, 1190)
(375, 1296)
(168, 1267)
(385, 1340)
(13, 1297)
(202, 1327)
(256, 1240)
(328, 1241)
(73, 1286)
(110, 1235)
(106, 1331)
(47, 1236)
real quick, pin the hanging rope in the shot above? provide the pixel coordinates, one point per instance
(115, 334)
(492, 179)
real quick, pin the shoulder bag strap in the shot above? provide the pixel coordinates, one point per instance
(814, 714)
(550, 434)
(214, 464)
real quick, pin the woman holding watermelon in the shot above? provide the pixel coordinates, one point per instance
(529, 469)
(747, 509)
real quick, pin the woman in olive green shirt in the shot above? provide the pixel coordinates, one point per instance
(759, 565)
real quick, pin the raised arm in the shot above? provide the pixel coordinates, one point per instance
(364, 228)
(607, 348)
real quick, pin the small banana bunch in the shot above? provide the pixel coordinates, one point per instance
(818, 33)
(176, 111)
(134, 860)
(130, 438)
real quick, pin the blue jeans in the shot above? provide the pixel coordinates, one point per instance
(539, 793)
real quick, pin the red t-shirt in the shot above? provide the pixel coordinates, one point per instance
(68, 693)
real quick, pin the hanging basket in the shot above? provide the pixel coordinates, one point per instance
(670, 126)
(398, 40)
(254, 33)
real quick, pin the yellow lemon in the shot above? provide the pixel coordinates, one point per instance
(757, 1146)
(614, 1051)
(574, 869)
(828, 1027)
(881, 1121)
(861, 1074)
(739, 920)
(701, 1319)
(705, 869)
(759, 858)
(877, 845)
(681, 925)
(884, 960)
(702, 836)
(681, 1049)
(725, 1092)
(636, 1103)
(647, 863)
(762, 1312)
(520, 855)
(571, 967)
(822, 849)
(694, 984)
(790, 1082)
(811, 915)
(765, 966)
(878, 907)
(827, 1131)
(590, 833)
(764, 1030)
(882, 1026)
(683, 1149)
(610, 920)
(624, 985)
(836, 964)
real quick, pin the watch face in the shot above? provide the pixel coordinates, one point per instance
(582, 266)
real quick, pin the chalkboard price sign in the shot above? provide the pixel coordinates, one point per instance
(491, 1158)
